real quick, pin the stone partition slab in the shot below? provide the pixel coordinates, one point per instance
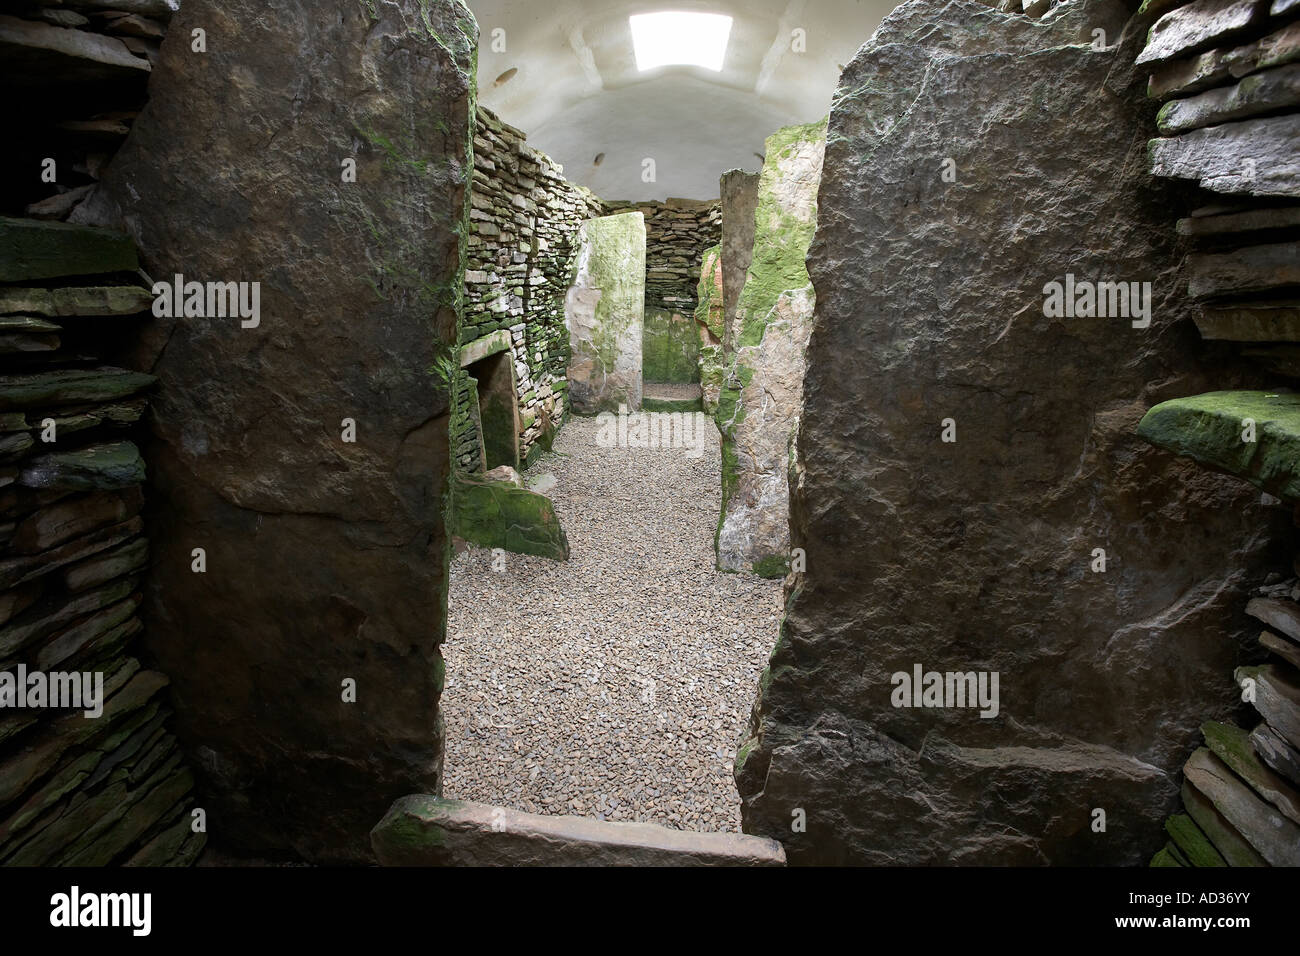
(325, 560)
(762, 391)
(979, 555)
(739, 197)
(605, 313)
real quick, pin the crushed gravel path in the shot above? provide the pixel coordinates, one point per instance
(616, 685)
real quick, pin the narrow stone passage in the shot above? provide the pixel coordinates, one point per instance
(616, 685)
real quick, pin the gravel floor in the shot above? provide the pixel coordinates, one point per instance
(616, 685)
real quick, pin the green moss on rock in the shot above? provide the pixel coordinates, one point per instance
(1215, 429)
(496, 514)
(772, 566)
(670, 348)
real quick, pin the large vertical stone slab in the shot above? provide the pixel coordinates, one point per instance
(325, 560)
(978, 555)
(605, 314)
(710, 321)
(739, 197)
(762, 392)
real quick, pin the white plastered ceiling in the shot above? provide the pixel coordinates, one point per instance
(577, 92)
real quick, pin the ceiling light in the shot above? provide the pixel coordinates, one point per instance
(672, 39)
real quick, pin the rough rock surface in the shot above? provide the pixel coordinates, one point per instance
(977, 555)
(325, 559)
(710, 319)
(605, 313)
(423, 830)
(762, 393)
(739, 197)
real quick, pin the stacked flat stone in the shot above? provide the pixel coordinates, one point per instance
(1228, 75)
(78, 74)
(524, 218)
(78, 790)
(1241, 792)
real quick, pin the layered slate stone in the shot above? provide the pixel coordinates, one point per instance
(1181, 77)
(32, 249)
(977, 555)
(1217, 156)
(1199, 24)
(423, 830)
(1253, 435)
(605, 314)
(762, 392)
(325, 560)
(1276, 838)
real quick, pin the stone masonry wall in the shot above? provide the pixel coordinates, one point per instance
(76, 789)
(524, 220)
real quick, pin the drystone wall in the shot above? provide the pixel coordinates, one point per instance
(1241, 791)
(970, 498)
(524, 221)
(1228, 80)
(761, 393)
(303, 448)
(1227, 76)
(103, 782)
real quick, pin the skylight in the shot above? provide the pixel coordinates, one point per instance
(673, 39)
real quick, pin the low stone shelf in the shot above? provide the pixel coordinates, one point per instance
(1211, 429)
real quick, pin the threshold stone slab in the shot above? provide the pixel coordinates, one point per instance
(423, 830)
(1212, 428)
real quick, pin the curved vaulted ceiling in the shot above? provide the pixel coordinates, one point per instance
(577, 93)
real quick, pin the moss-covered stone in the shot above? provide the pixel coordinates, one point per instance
(1253, 435)
(670, 348)
(605, 313)
(765, 367)
(71, 386)
(772, 566)
(98, 468)
(496, 514)
(88, 301)
(1194, 844)
(37, 249)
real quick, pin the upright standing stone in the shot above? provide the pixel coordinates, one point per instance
(1099, 579)
(605, 313)
(762, 393)
(326, 560)
(739, 191)
(710, 320)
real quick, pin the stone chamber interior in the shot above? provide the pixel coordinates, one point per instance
(442, 441)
